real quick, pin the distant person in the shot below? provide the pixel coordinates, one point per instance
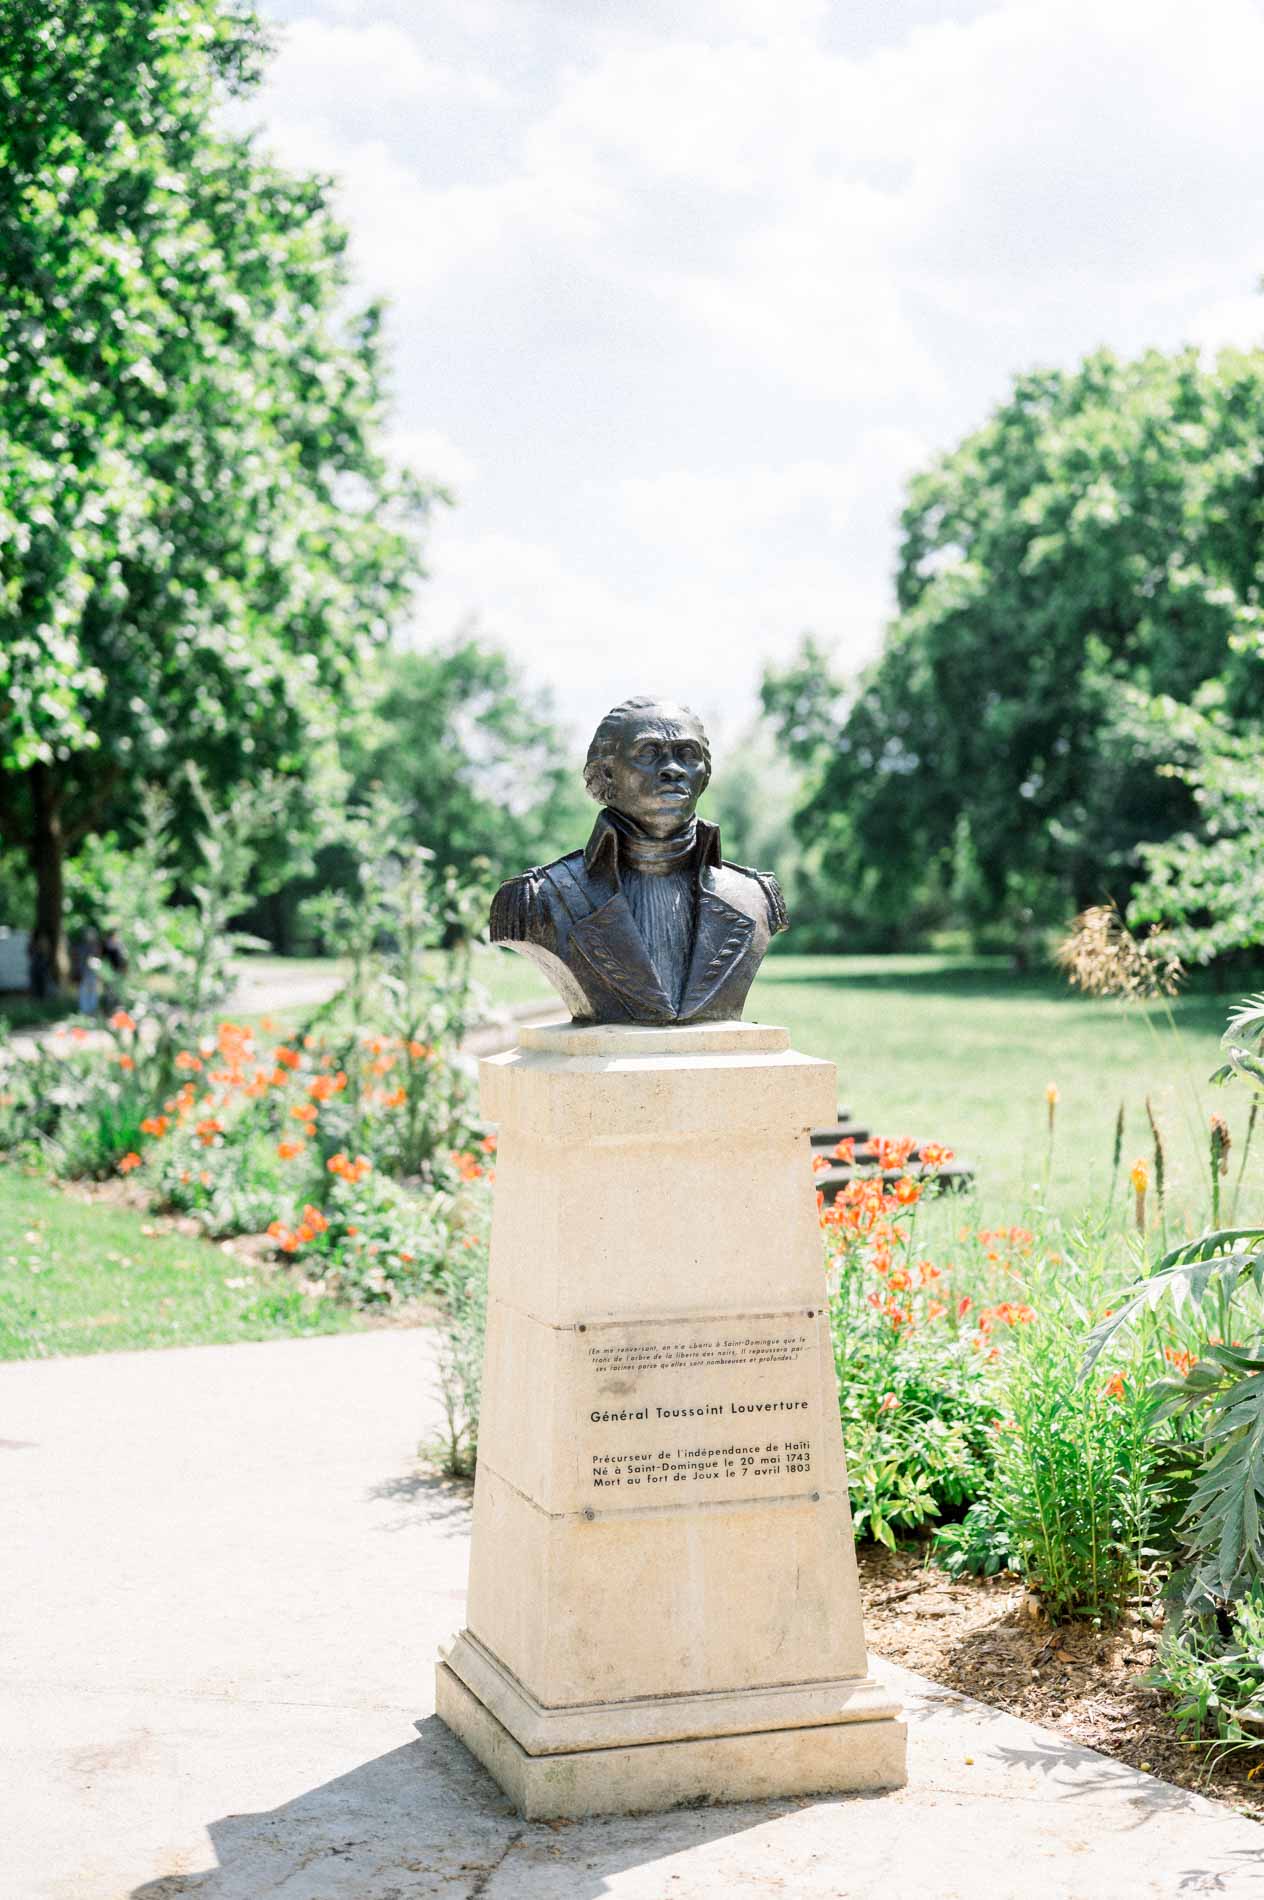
(88, 971)
(39, 963)
(114, 957)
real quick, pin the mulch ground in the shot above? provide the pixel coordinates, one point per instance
(987, 1638)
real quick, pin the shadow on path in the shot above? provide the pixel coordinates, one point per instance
(425, 1820)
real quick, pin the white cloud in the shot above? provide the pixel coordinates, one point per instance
(434, 456)
(694, 286)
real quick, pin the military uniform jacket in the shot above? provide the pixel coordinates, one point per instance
(572, 919)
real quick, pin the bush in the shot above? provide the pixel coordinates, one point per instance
(1214, 1668)
(917, 1395)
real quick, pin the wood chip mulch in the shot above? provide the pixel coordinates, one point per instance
(987, 1638)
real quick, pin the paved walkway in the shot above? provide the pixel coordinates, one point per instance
(223, 1585)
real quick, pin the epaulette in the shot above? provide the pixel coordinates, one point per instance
(778, 918)
(513, 907)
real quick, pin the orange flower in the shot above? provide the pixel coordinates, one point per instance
(846, 1150)
(313, 1218)
(288, 1149)
(933, 1154)
(407, 1258)
(187, 1061)
(208, 1129)
(488, 1144)
(963, 1305)
(820, 1163)
(1182, 1362)
(155, 1125)
(121, 1020)
(349, 1170)
(419, 1051)
(935, 1308)
(129, 1162)
(305, 1112)
(288, 1242)
(889, 1402)
(907, 1191)
(1139, 1175)
(1114, 1388)
(288, 1058)
(396, 1098)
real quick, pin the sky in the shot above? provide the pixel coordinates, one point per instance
(682, 292)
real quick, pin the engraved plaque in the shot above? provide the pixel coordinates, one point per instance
(679, 1411)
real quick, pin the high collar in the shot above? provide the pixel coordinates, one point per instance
(602, 852)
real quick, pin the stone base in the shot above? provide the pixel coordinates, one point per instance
(863, 1753)
(663, 1605)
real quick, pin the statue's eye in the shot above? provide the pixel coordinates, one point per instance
(646, 754)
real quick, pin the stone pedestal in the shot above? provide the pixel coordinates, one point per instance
(663, 1603)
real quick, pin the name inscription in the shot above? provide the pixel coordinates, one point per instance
(675, 1411)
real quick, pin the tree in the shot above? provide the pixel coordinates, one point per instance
(473, 756)
(199, 536)
(1098, 539)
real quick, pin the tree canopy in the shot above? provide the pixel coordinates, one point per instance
(199, 535)
(1088, 557)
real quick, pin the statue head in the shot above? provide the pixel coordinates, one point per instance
(649, 759)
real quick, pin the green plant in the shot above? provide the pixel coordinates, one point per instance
(1216, 1677)
(916, 1390)
(1219, 1390)
(976, 1546)
(462, 1286)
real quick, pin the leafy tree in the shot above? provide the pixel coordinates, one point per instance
(1097, 542)
(1206, 882)
(473, 756)
(198, 534)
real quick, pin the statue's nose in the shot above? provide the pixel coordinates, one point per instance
(670, 769)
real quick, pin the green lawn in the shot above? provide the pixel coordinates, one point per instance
(77, 1276)
(961, 1050)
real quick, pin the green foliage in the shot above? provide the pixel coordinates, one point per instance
(408, 933)
(1217, 1677)
(1206, 881)
(977, 1546)
(472, 758)
(1073, 1484)
(1097, 543)
(462, 1286)
(1217, 1279)
(198, 533)
(918, 1429)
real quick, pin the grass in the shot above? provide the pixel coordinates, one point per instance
(961, 1050)
(78, 1276)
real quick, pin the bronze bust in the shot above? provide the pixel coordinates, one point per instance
(647, 924)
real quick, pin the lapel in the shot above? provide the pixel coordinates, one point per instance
(610, 942)
(722, 936)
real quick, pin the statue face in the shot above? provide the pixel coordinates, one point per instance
(658, 771)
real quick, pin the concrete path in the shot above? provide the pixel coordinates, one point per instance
(222, 1585)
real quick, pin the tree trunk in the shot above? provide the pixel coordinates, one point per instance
(47, 852)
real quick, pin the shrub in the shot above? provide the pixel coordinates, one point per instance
(1216, 1676)
(916, 1393)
